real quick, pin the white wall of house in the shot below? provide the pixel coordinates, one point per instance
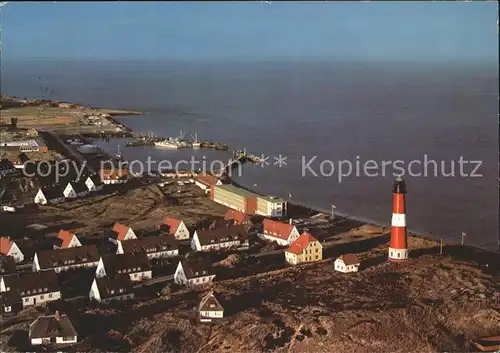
(340, 266)
(40, 198)
(3, 286)
(91, 186)
(59, 340)
(114, 181)
(216, 314)
(66, 340)
(69, 192)
(94, 292)
(38, 299)
(141, 276)
(291, 258)
(196, 245)
(182, 232)
(73, 266)
(16, 253)
(129, 235)
(36, 341)
(180, 278)
(100, 270)
(179, 275)
(72, 244)
(162, 254)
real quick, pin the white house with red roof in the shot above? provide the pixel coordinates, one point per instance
(205, 181)
(305, 249)
(65, 239)
(121, 232)
(9, 248)
(177, 228)
(347, 263)
(282, 233)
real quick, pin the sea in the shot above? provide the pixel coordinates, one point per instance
(312, 120)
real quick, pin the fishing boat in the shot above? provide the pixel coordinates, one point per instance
(195, 143)
(167, 144)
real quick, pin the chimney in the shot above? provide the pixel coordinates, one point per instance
(57, 316)
(290, 221)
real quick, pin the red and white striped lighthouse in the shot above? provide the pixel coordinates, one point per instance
(398, 248)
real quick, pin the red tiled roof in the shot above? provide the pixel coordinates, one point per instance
(349, 259)
(66, 237)
(301, 243)
(108, 174)
(207, 179)
(277, 229)
(121, 230)
(237, 216)
(5, 245)
(172, 222)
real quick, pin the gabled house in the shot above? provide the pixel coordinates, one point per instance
(113, 176)
(135, 265)
(305, 249)
(176, 227)
(52, 330)
(282, 233)
(10, 303)
(6, 168)
(192, 273)
(9, 248)
(104, 290)
(49, 195)
(237, 217)
(65, 239)
(205, 181)
(94, 183)
(121, 232)
(347, 263)
(153, 247)
(36, 288)
(75, 190)
(66, 259)
(210, 308)
(218, 238)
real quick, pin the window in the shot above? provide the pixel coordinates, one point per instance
(26, 300)
(41, 297)
(50, 295)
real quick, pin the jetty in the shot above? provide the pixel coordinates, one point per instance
(239, 158)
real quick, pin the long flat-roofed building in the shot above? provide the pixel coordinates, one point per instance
(248, 202)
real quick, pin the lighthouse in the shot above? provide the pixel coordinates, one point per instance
(398, 248)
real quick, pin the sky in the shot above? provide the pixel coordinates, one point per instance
(384, 31)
